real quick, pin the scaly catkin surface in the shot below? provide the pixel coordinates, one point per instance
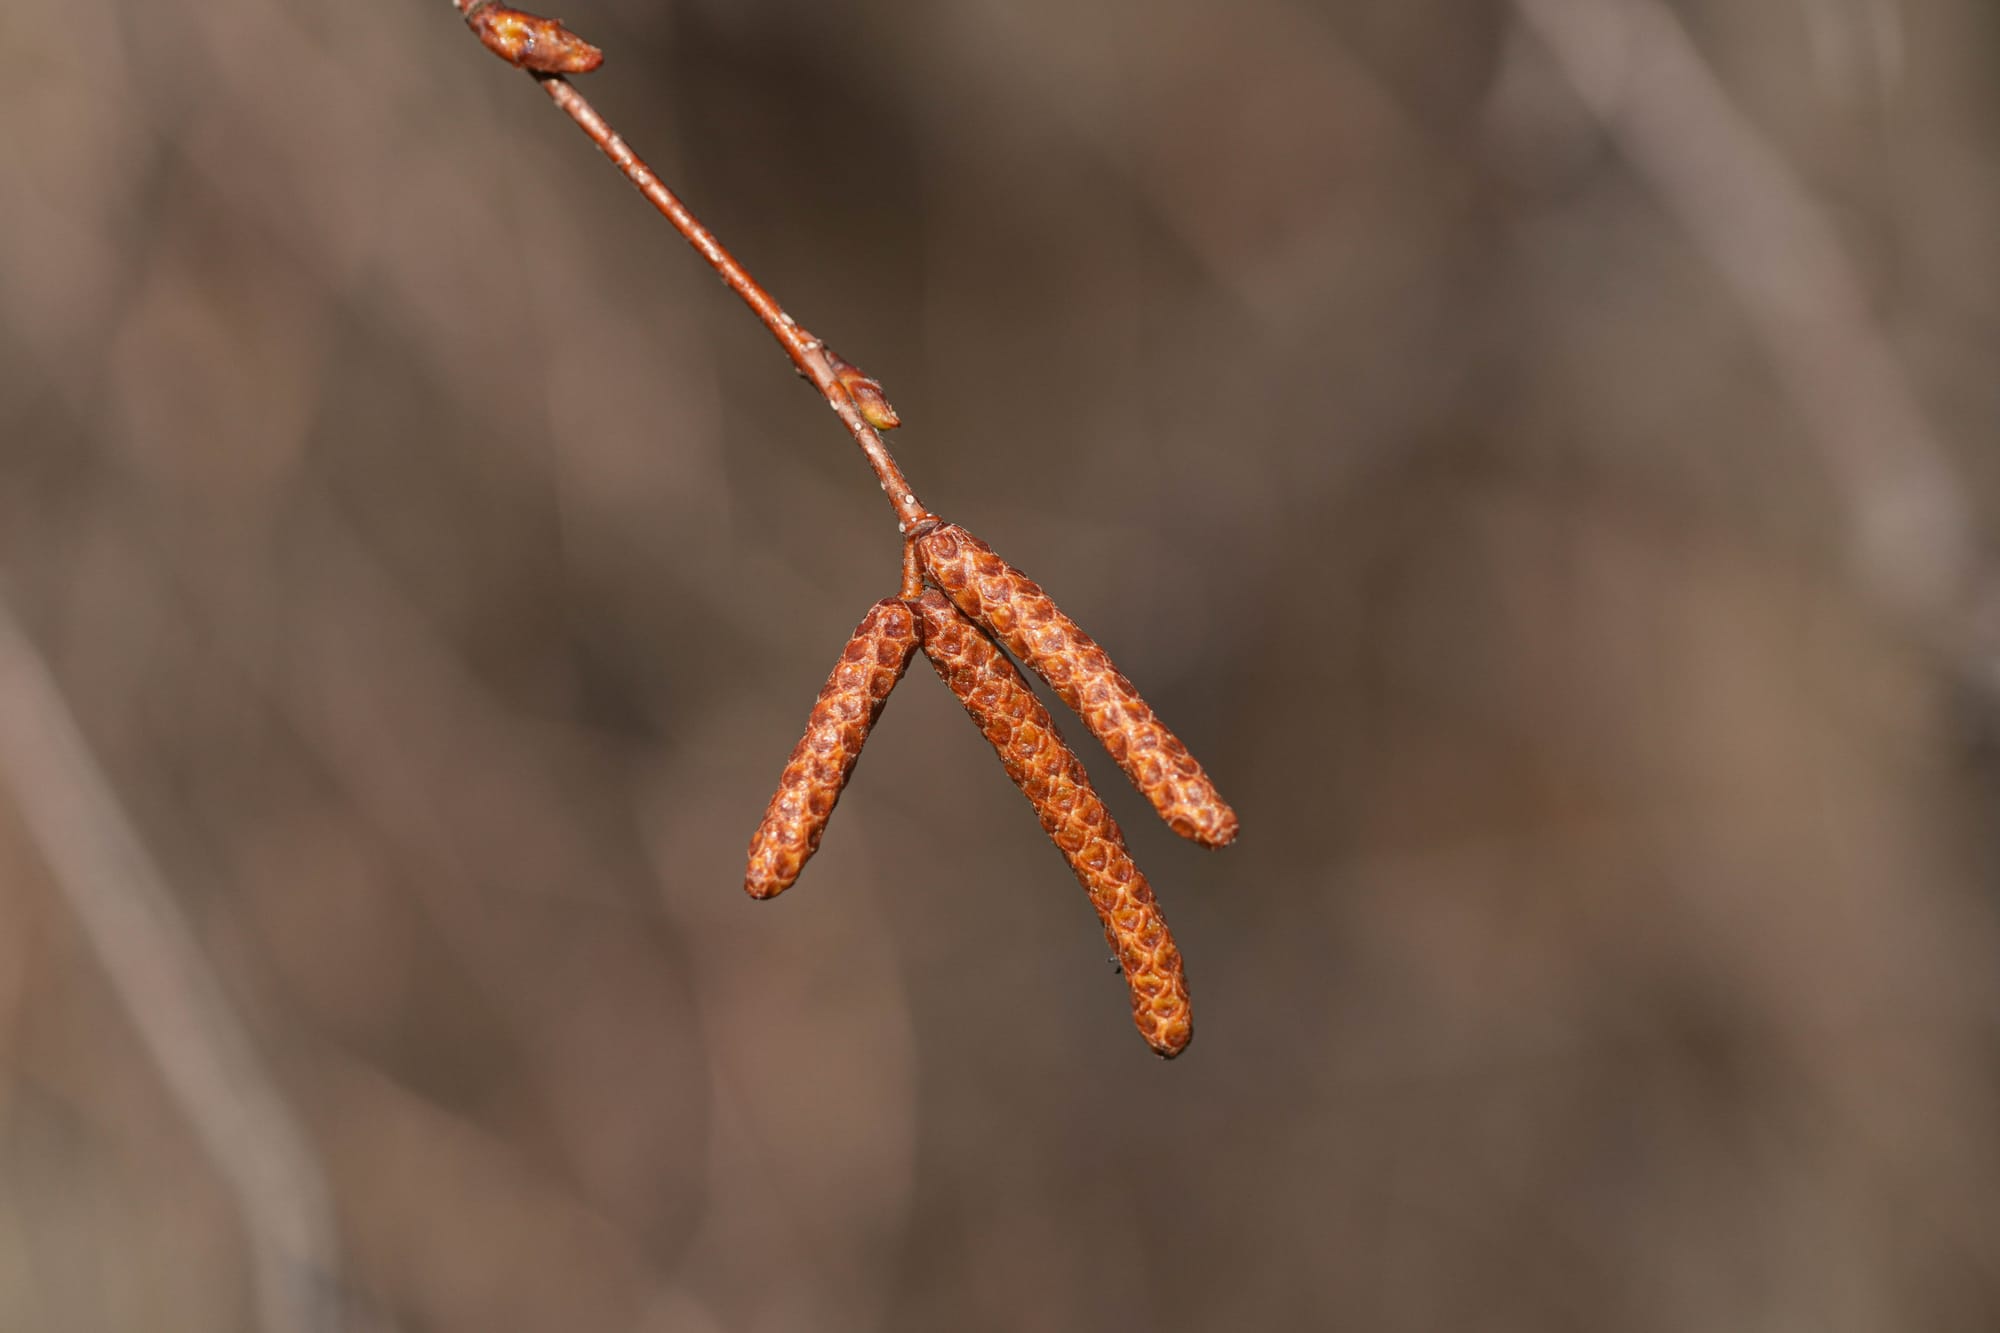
(1051, 775)
(848, 705)
(1012, 607)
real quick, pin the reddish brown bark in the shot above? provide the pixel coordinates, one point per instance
(859, 414)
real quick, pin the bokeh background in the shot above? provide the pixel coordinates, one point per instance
(1539, 454)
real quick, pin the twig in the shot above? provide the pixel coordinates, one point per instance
(149, 953)
(854, 398)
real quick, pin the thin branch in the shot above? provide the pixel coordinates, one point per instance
(158, 971)
(854, 398)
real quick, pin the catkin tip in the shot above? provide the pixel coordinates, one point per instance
(1170, 1043)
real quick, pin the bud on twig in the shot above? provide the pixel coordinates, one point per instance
(1016, 611)
(866, 392)
(533, 42)
(1054, 781)
(848, 705)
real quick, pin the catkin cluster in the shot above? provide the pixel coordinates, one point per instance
(978, 598)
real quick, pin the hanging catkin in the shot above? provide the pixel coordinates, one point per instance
(1014, 609)
(1044, 768)
(848, 705)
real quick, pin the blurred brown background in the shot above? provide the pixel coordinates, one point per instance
(1538, 454)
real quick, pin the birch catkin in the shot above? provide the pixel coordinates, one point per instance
(1054, 780)
(848, 705)
(1015, 610)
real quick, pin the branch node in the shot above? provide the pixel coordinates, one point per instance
(866, 392)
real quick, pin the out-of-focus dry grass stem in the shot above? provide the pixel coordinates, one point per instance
(153, 961)
(1747, 209)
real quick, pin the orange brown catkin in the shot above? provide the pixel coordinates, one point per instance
(848, 705)
(533, 42)
(1053, 778)
(1017, 612)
